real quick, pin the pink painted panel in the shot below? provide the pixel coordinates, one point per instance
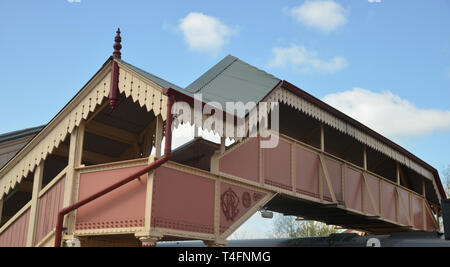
(123, 207)
(417, 209)
(307, 172)
(374, 185)
(335, 174)
(277, 165)
(235, 202)
(16, 234)
(49, 205)
(183, 201)
(353, 182)
(243, 161)
(389, 201)
(404, 212)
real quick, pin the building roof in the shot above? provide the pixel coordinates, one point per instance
(161, 82)
(233, 80)
(20, 133)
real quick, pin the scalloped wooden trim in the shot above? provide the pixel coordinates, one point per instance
(290, 99)
(54, 133)
(140, 89)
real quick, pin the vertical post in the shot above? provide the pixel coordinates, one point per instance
(423, 188)
(365, 157)
(159, 136)
(343, 175)
(1, 208)
(261, 162)
(424, 204)
(195, 131)
(222, 145)
(363, 180)
(397, 195)
(381, 198)
(217, 209)
(322, 149)
(37, 186)
(363, 191)
(148, 200)
(215, 157)
(293, 169)
(411, 212)
(72, 176)
(424, 209)
(150, 176)
(322, 138)
(320, 173)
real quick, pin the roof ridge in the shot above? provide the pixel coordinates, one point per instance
(20, 133)
(214, 71)
(258, 69)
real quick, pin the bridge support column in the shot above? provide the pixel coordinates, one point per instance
(1, 208)
(73, 175)
(37, 186)
(148, 240)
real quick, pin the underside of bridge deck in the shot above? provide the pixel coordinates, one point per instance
(332, 214)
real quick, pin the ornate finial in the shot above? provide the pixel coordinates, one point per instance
(114, 89)
(117, 46)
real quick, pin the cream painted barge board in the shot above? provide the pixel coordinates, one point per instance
(56, 131)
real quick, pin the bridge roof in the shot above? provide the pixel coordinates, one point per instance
(235, 80)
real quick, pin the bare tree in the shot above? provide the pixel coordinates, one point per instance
(240, 234)
(288, 226)
(285, 226)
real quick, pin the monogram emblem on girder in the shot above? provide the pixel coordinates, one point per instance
(246, 199)
(229, 203)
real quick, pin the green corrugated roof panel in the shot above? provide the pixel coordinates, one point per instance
(233, 80)
(212, 73)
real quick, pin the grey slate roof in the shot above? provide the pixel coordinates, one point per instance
(161, 82)
(20, 133)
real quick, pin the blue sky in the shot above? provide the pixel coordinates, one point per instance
(386, 63)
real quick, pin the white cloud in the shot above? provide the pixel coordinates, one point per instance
(299, 58)
(374, 1)
(389, 114)
(323, 15)
(204, 33)
(74, 1)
